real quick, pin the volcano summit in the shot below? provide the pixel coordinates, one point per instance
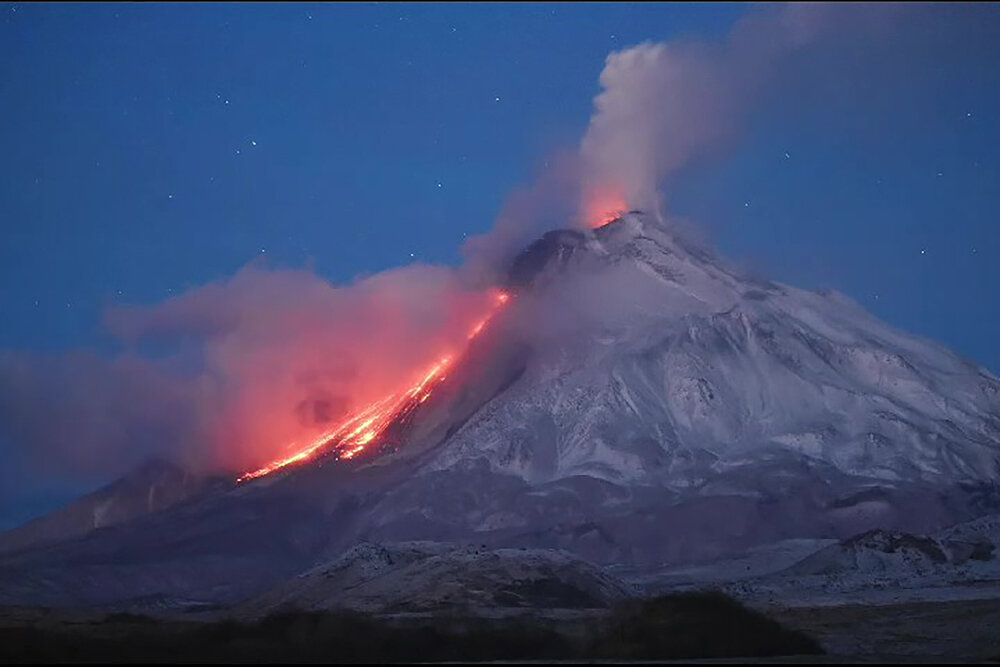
(637, 403)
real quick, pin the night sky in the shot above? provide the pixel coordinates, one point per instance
(147, 149)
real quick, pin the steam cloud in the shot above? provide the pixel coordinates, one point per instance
(664, 105)
(226, 374)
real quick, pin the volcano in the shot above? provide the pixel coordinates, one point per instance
(638, 403)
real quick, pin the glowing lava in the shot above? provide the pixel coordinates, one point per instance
(604, 206)
(350, 437)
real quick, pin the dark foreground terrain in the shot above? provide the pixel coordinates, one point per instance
(697, 625)
(961, 630)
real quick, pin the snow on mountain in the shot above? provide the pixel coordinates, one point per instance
(959, 562)
(638, 403)
(153, 486)
(673, 367)
(672, 409)
(876, 551)
(428, 576)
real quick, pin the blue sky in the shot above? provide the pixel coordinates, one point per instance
(151, 148)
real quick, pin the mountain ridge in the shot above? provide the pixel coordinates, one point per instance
(638, 403)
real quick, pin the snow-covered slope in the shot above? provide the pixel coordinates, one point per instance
(428, 576)
(153, 486)
(657, 364)
(639, 403)
(673, 409)
(960, 562)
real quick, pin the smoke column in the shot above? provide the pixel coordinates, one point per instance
(663, 105)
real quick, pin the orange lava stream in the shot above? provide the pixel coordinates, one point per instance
(604, 206)
(608, 218)
(350, 437)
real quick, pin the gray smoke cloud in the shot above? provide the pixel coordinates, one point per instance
(664, 105)
(225, 376)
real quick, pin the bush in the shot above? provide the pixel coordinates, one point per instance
(696, 625)
(679, 626)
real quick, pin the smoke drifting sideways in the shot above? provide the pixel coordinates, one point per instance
(666, 106)
(226, 375)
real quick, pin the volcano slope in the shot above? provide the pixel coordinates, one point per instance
(639, 403)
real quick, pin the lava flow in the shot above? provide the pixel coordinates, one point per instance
(350, 437)
(603, 206)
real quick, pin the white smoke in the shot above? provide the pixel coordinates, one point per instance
(663, 105)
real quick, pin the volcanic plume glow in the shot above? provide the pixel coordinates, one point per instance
(351, 436)
(603, 206)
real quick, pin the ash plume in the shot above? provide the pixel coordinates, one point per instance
(226, 374)
(667, 106)
(664, 105)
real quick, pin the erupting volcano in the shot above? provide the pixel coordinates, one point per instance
(369, 425)
(604, 205)
(646, 404)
